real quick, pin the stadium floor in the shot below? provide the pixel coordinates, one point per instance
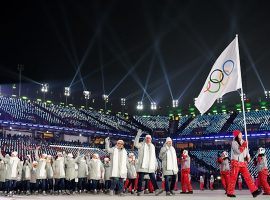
(209, 195)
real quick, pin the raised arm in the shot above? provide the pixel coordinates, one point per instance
(107, 145)
(137, 144)
(36, 153)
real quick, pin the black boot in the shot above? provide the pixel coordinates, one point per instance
(256, 193)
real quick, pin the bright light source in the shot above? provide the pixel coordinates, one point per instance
(67, 91)
(45, 87)
(140, 105)
(87, 94)
(244, 97)
(105, 98)
(175, 103)
(267, 94)
(123, 101)
(219, 100)
(153, 106)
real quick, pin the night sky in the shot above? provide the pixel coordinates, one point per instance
(122, 48)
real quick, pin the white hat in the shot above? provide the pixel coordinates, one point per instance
(106, 159)
(168, 139)
(59, 153)
(44, 154)
(185, 152)
(148, 136)
(122, 141)
(131, 154)
(49, 156)
(261, 150)
(70, 155)
(15, 153)
(35, 162)
(96, 155)
(225, 154)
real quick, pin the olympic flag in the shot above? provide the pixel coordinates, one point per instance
(224, 77)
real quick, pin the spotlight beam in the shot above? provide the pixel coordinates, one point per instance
(130, 71)
(101, 65)
(162, 65)
(148, 75)
(127, 63)
(73, 49)
(197, 73)
(108, 64)
(16, 74)
(252, 63)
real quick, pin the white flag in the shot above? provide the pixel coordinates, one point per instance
(224, 77)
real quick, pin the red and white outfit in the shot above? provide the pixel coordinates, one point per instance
(212, 180)
(240, 182)
(185, 173)
(201, 183)
(239, 154)
(262, 171)
(224, 169)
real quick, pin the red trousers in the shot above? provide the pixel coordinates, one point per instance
(241, 167)
(211, 186)
(185, 180)
(225, 179)
(262, 176)
(240, 185)
(201, 186)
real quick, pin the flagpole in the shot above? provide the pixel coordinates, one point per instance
(242, 93)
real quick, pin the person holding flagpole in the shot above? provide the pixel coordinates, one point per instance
(225, 77)
(239, 159)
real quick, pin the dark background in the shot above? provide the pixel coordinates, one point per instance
(119, 45)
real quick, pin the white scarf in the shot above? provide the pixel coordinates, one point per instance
(149, 157)
(27, 172)
(96, 162)
(61, 167)
(172, 160)
(14, 164)
(42, 172)
(116, 162)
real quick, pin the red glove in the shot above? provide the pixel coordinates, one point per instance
(219, 160)
(259, 159)
(244, 145)
(184, 156)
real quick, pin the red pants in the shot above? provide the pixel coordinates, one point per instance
(225, 179)
(241, 167)
(185, 180)
(211, 186)
(262, 176)
(240, 185)
(201, 186)
(163, 185)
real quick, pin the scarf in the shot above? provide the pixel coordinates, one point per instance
(119, 164)
(149, 157)
(96, 162)
(14, 164)
(42, 172)
(61, 167)
(172, 160)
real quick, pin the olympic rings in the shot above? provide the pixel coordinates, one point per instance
(217, 76)
(215, 80)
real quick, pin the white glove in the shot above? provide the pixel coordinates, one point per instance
(139, 133)
(107, 140)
